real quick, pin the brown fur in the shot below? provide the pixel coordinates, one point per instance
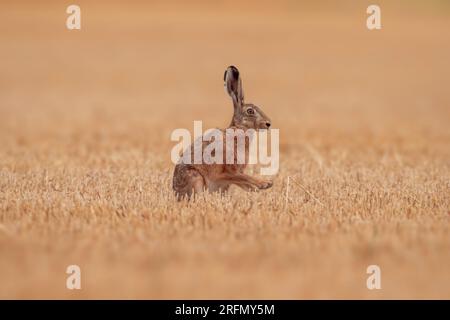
(189, 179)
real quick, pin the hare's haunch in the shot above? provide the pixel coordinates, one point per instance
(189, 179)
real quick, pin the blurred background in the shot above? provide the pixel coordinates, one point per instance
(147, 60)
(104, 100)
(297, 59)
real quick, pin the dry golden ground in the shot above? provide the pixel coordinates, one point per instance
(85, 171)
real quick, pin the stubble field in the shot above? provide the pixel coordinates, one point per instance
(85, 170)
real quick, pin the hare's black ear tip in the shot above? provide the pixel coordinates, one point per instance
(234, 71)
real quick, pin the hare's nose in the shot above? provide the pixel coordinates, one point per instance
(267, 124)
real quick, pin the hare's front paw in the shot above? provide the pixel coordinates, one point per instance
(265, 184)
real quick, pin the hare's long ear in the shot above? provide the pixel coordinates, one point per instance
(233, 85)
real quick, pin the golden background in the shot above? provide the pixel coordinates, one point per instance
(85, 171)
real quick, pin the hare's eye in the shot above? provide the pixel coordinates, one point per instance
(250, 111)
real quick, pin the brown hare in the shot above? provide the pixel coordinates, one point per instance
(191, 179)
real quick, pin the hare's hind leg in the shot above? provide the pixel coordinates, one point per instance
(246, 182)
(187, 181)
